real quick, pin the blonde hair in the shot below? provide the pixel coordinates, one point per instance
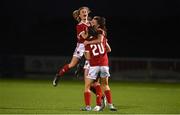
(84, 7)
(76, 13)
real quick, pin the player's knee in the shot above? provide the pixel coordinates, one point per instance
(87, 90)
(105, 83)
(87, 87)
(72, 64)
(105, 86)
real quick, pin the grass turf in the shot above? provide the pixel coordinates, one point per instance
(39, 97)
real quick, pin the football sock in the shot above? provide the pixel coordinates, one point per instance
(87, 98)
(108, 96)
(64, 69)
(98, 94)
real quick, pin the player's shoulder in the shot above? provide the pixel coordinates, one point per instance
(80, 25)
(83, 24)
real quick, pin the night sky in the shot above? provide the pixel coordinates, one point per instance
(136, 28)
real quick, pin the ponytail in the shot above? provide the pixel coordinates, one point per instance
(76, 15)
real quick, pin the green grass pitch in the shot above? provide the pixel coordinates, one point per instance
(40, 97)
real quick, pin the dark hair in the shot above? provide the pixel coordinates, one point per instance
(102, 22)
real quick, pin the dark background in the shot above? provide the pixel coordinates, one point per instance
(136, 28)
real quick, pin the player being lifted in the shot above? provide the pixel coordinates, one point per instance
(98, 60)
(81, 15)
(83, 32)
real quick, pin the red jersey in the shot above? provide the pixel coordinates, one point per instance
(98, 53)
(80, 28)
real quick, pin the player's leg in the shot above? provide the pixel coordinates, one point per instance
(103, 101)
(100, 96)
(107, 92)
(64, 69)
(86, 70)
(96, 89)
(105, 86)
(98, 92)
(103, 97)
(87, 95)
(78, 53)
(92, 74)
(87, 87)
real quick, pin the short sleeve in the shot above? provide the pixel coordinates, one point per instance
(80, 29)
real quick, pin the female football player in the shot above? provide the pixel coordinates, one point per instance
(81, 15)
(98, 60)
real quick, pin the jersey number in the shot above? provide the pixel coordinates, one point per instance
(97, 49)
